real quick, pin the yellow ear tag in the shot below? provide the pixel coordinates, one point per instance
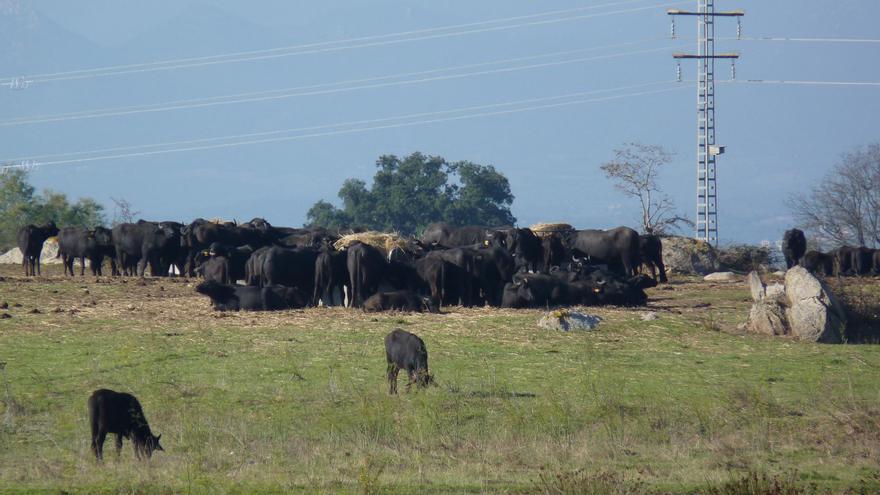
(485, 243)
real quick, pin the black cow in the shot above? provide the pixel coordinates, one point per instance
(553, 251)
(246, 298)
(30, 241)
(290, 267)
(331, 272)
(146, 243)
(406, 351)
(236, 257)
(794, 246)
(459, 274)
(366, 269)
(876, 262)
(493, 267)
(215, 269)
(843, 257)
(618, 248)
(441, 278)
(523, 244)
(651, 251)
(818, 263)
(253, 267)
(77, 242)
(862, 260)
(399, 300)
(200, 234)
(562, 288)
(121, 414)
(451, 236)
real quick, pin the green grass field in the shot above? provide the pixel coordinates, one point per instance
(296, 401)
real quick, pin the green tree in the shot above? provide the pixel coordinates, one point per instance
(20, 205)
(409, 193)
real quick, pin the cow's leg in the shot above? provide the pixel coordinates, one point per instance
(37, 262)
(82, 266)
(392, 378)
(98, 444)
(118, 444)
(413, 376)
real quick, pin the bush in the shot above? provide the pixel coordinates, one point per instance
(745, 258)
(861, 302)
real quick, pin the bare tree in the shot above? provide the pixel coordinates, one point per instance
(635, 170)
(122, 211)
(844, 208)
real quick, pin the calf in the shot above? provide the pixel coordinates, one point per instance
(400, 300)
(120, 413)
(404, 350)
(248, 298)
(651, 251)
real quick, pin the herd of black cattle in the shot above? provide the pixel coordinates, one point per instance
(283, 267)
(841, 262)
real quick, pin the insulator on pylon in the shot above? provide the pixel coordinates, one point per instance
(739, 29)
(732, 69)
(672, 27)
(678, 71)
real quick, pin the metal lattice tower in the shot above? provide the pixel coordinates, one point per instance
(707, 149)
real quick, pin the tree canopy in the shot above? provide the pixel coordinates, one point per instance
(411, 192)
(21, 205)
(844, 207)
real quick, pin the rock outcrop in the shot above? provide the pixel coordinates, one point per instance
(803, 308)
(687, 256)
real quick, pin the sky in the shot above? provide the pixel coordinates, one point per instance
(781, 139)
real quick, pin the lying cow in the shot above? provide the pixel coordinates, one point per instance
(399, 300)
(406, 351)
(236, 297)
(121, 414)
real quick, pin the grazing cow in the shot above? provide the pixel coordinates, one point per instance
(818, 263)
(651, 251)
(399, 300)
(862, 260)
(246, 298)
(406, 351)
(30, 241)
(451, 236)
(331, 272)
(121, 414)
(618, 248)
(794, 246)
(366, 269)
(77, 242)
(553, 251)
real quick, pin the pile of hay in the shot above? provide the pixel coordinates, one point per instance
(380, 240)
(543, 229)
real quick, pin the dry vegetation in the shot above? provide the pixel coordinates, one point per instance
(295, 401)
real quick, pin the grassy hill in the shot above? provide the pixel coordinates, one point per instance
(296, 401)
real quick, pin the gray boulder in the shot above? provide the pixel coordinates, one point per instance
(720, 277)
(569, 320)
(803, 308)
(687, 256)
(813, 313)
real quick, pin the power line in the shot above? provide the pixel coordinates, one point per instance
(286, 51)
(192, 145)
(322, 89)
(801, 83)
(803, 40)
